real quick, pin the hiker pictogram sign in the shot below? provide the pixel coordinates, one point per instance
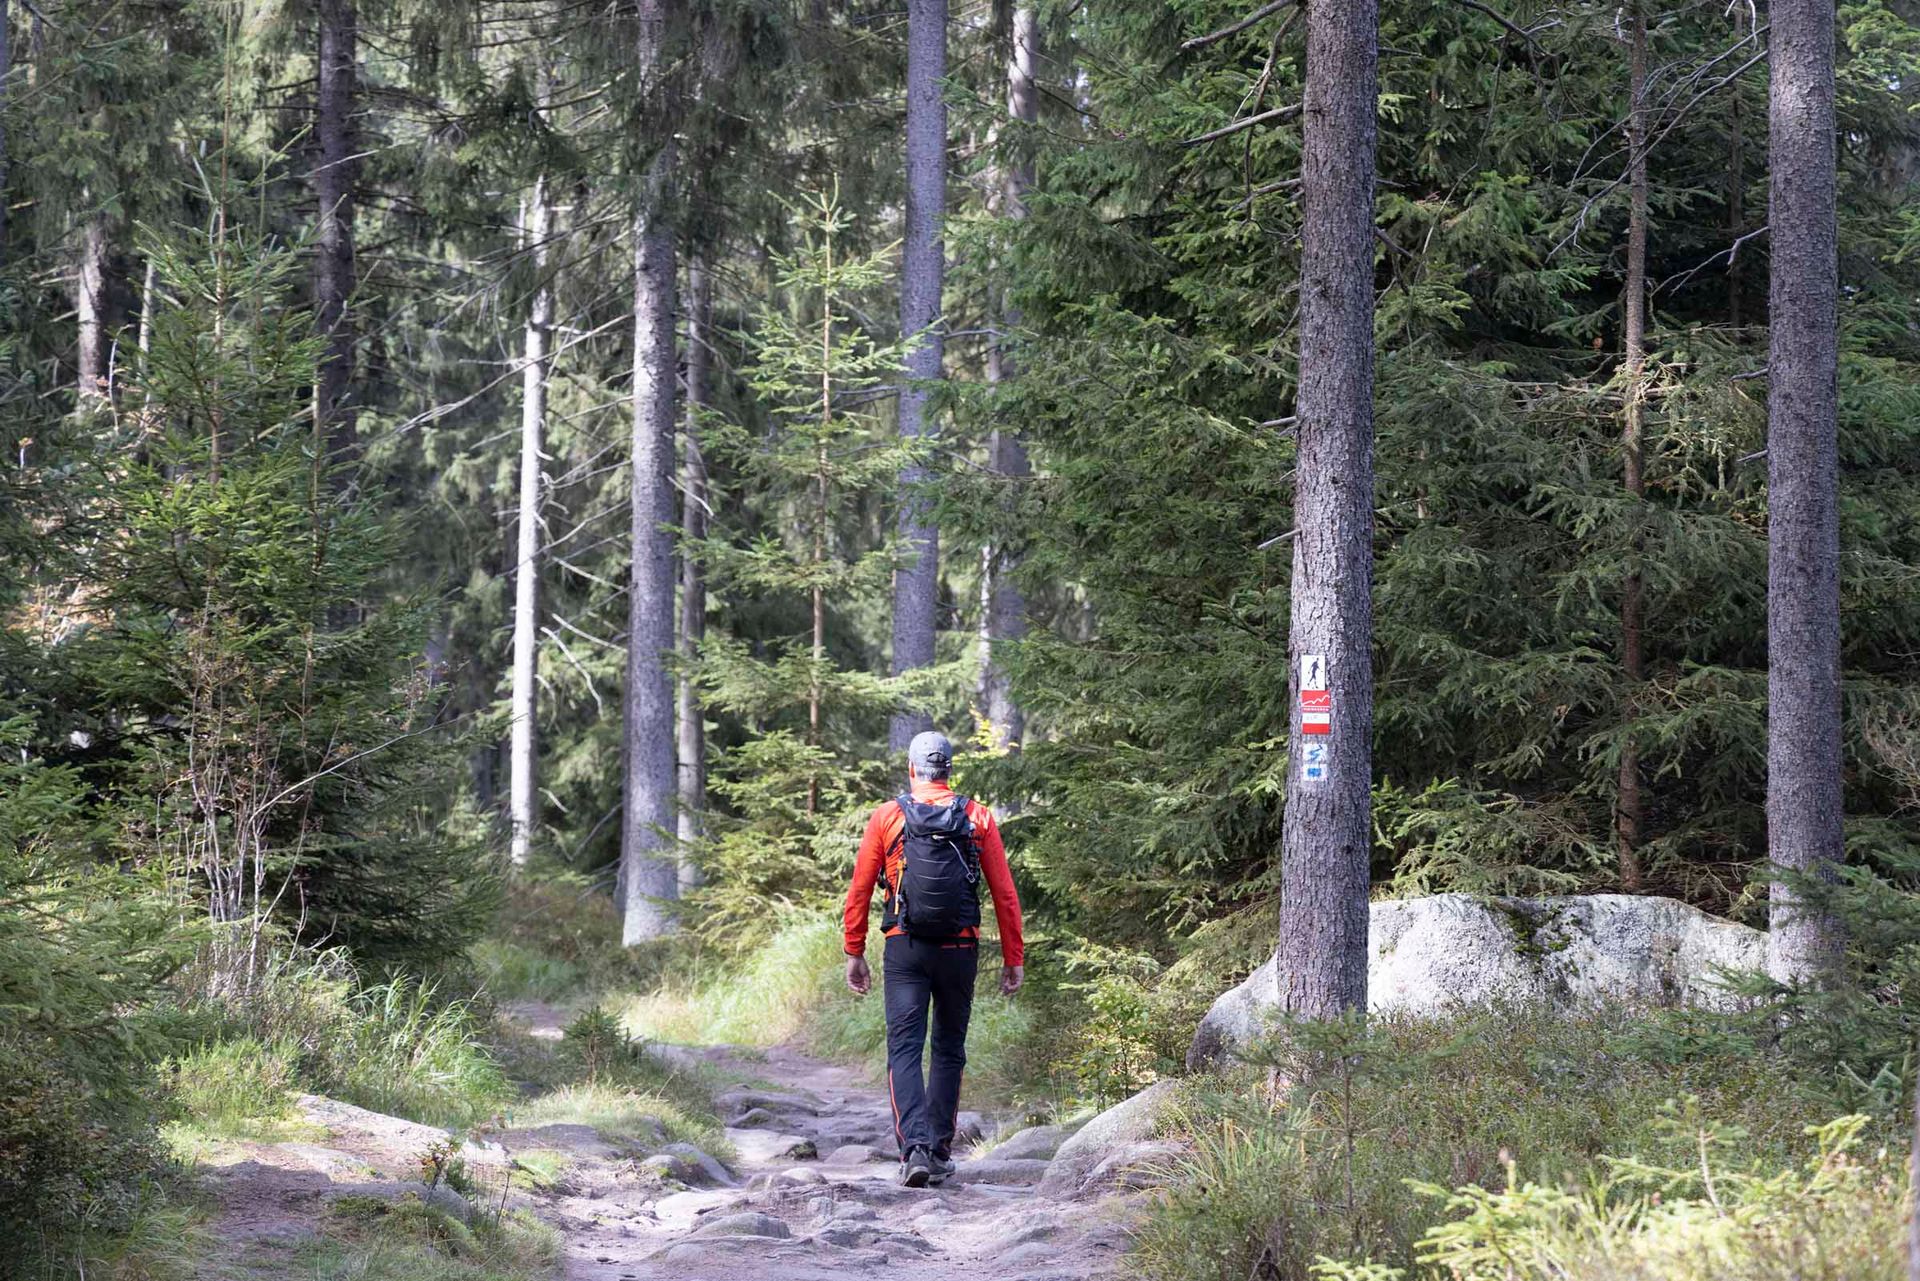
(1316, 700)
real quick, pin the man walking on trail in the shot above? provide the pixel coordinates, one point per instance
(928, 851)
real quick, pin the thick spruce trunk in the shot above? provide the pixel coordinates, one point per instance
(649, 869)
(693, 581)
(1803, 527)
(916, 585)
(333, 180)
(1003, 606)
(523, 808)
(1328, 832)
(1629, 808)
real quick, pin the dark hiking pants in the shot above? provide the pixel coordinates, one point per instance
(919, 971)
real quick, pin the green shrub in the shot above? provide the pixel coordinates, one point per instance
(512, 971)
(1836, 1217)
(83, 951)
(1327, 1167)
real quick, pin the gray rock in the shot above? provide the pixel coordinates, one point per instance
(440, 1197)
(994, 1170)
(741, 1099)
(968, 1128)
(1137, 1165)
(854, 1212)
(755, 1118)
(581, 1140)
(669, 1166)
(1026, 1255)
(848, 1236)
(1036, 1142)
(1430, 956)
(853, 1154)
(802, 1176)
(748, 1223)
(1131, 1121)
(801, 1150)
(703, 1165)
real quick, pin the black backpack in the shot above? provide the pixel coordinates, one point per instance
(939, 891)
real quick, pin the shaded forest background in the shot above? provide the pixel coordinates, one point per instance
(268, 340)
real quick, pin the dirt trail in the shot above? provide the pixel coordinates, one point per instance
(811, 1195)
(788, 1215)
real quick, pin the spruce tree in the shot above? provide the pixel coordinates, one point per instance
(1804, 745)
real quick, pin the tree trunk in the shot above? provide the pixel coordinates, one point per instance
(1736, 208)
(334, 409)
(89, 303)
(1328, 832)
(523, 807)
(1629, 810)
(650, 873)
(1004, 607)
(6, 71)
(693, 582)
(916, 585)
(1803, 527)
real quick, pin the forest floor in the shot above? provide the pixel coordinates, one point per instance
(809, 1192)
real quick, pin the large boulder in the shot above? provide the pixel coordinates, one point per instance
(1133, 1121)
(1431, 956)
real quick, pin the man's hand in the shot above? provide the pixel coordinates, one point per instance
(859, 977)
(1011, 977)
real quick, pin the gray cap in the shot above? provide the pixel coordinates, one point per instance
(930, 753)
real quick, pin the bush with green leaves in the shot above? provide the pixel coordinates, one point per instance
(1327, 1165)
(84, 951)
(1838, 1216)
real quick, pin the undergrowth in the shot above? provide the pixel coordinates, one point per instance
(1356, 1159)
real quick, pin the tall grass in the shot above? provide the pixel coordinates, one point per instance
(792, 990)
(305, 1022)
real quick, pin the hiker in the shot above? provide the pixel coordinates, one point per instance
(928, 849)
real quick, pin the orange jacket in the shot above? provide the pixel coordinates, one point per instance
(880, 853)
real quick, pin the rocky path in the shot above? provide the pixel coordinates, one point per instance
(811, 1191)
(814, 1195)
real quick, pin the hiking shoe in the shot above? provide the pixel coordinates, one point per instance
(917, 1168)
(942, 1169)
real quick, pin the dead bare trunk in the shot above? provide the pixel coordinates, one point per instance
(334, 407)
(1328, 832)
(693, 583)
(1803, 526)
(650, 872)
(90, 303)
(1629, 810)
(523, 810)
(916, 585)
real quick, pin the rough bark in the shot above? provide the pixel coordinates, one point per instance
(1629, 809)
(649, 870)
(1803, 529)
(693, 583)
(1003, 605)
(522, 805)
(89, 303)
(6, 69)
(333, 180)
(916, 585)
(1328, 831)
